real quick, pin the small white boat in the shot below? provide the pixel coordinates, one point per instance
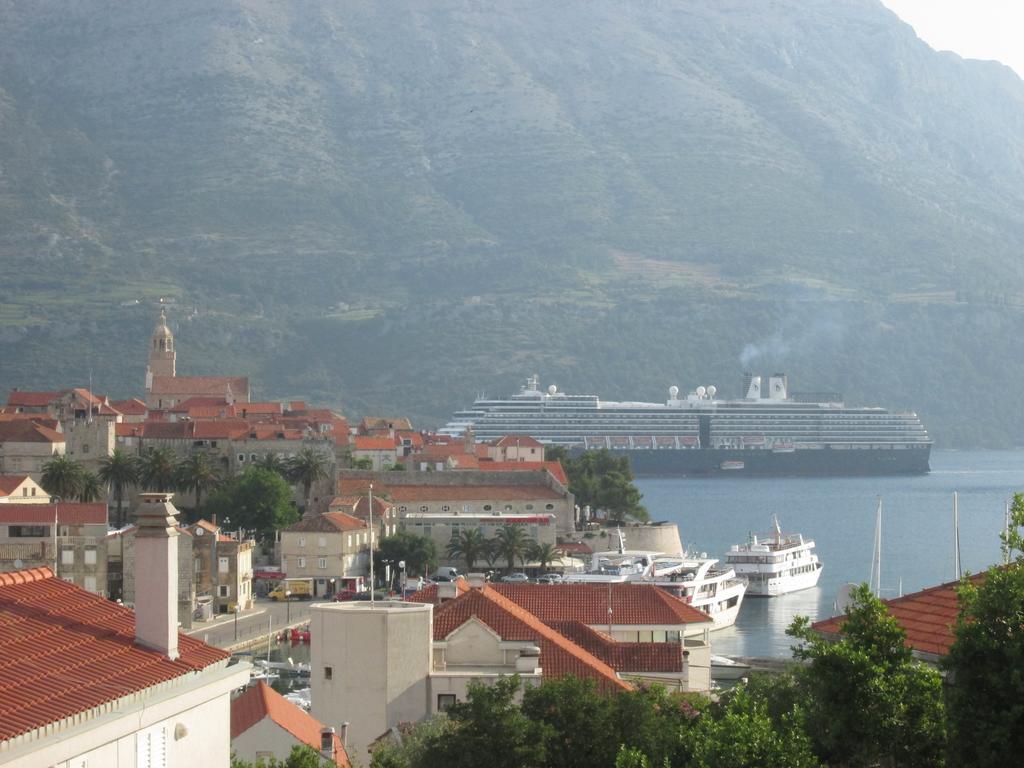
(775, 563)
(724, 668)
(301, 698)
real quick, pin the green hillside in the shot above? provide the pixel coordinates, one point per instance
(392, 206)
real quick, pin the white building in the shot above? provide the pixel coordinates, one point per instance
(96, 685)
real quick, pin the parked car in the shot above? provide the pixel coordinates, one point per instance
(517, 578)
(550, 578)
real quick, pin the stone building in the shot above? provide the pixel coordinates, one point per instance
(68, 536)
(165, 389)
(26, 445)
(222, 568)
(121, 571)
(332, 549)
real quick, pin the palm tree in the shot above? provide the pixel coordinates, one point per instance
(197, 473)
(511, 543)
(62, 476)
(468, 545)
(90, 488)
(274, 463)
(544, 554)
(118, 471)
(309, 466)
(156, 469)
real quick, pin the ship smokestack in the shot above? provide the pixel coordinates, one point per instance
(754, 388)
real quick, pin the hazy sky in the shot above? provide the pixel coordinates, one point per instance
(975, 29)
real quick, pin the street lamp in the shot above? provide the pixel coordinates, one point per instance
(236, 621)
(288, 605)
(401, 576)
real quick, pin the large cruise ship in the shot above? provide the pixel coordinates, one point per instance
(770, 431)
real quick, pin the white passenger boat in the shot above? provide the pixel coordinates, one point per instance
(724, 668)
(775, 563)
(694, 578)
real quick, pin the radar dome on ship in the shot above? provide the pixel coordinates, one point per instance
(701, 391)
(712, 390)
(552, 389)
(673, 392)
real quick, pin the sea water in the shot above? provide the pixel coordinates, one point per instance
(838, 514)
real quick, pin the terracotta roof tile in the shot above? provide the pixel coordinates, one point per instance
(262, 701)
(559, 656)
(364, 443)
(10, 483)
(28, 431)
(65, 651)
(201, 385)
(518, 441)
(31, 399)
(131, 407)
(412, 493)
(554, 467)
(588, 603)
(68, 513)
(927, 617)
(329, 522)
(624, 657)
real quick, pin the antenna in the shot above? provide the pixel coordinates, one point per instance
(875, 581)
(956, 537)
(372, 585)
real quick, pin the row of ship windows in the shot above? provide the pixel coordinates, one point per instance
(783, 574)
(467, 508)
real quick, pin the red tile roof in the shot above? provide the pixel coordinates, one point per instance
(68, 513)
(26, 431)
(65, 651)
(412, 493)
(642, 604)
(200, 385)
(130, 407)
(211, 429)
(624, 657)
(10, 483)
(364, 443)
(554, 467)
(31, 399)
(559, 656)
(329, 522)
(262, 701)
(926, 616)
(518, 441)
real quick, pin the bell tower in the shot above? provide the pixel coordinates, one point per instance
(161, 352)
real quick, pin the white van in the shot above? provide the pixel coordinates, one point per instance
(446, 573)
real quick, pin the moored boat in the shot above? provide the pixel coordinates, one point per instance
(775, 563)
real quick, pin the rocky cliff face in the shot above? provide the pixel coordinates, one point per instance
(395, 204)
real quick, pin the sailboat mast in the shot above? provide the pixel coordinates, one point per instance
(875, 581)
(956, 537)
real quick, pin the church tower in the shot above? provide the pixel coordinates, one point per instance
(161, 352)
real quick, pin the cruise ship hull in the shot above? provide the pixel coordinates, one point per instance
(746, 463)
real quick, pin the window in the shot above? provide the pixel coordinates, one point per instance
(348, 543)
(198, 565)
(90, 556)
(549, 507)
(424, 508)
(445, 508)
(241, 457)
(33, 491)
(302, 541)
(487, 507)
(85, 448)
(401, 508)
(67, 557)
(300, 562)
(223, 590)
(321, 541)
(90, 584)
(28, 531)
(223, 565)
(445, 701)
(252, 457)
(529, 506)
(321, 563)
(508, 507)
(24, 491)
(328, 673)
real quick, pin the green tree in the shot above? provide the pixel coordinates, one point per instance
(309, 466)
(197, 474)
(411, 750)
(62, 476)
(301, 756)
(468, 546)
(604, 482)
(274, 462)
(986, 662)
(511, 542)
(867, 702)
(418, 552)
(545, 553)
(156, 469)
(489, 729)
(258, 500)
(360, 462)
(580, 730)
(119, 471)
(90, 488)
(740, 733)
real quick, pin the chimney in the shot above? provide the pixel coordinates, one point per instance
(156, 574)
(327, 743)
(476, 580)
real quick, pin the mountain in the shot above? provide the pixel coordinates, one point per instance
(392, 205)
